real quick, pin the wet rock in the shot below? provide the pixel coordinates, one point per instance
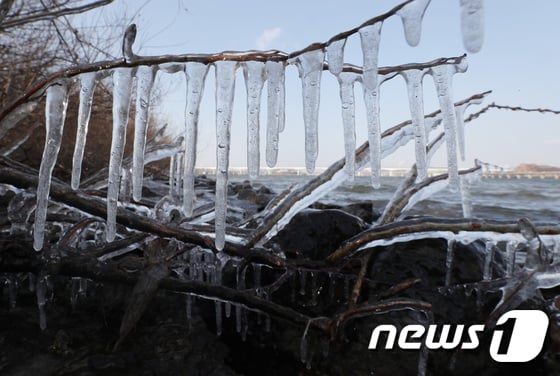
(317, 233)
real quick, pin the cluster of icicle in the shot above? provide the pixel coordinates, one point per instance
(310, 64)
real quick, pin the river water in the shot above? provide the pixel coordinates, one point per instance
(500, 199)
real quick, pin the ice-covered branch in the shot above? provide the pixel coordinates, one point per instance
(439, 225)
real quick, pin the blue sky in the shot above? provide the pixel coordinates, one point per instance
(519, 61)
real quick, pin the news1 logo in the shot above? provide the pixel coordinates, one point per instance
(517, 337)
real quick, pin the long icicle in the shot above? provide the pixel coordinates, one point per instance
(346, 82)
(254, 73)
(145, 78)
(472, 24)
(370, 37)
(225, 88)
(196, 75)
(87, 86)
(413, 80)
(55, 114)
(443, 77)
(275, 73)
(411, 15)
(310, 66)
(122, 85)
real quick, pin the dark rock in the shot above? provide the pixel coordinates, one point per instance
(363, 210)
(316, 233)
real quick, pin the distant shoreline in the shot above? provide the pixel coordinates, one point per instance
(388, 172)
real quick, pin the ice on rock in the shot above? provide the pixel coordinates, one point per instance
(472, 24)
(443, 76)
(225, 88)
(411, 15)
(335, 56)
(87, 86)
(414, 86)
(122, 84)
(145, 77)
(275, 74)
(254, 73)
(310, 66)
(196, 75)
(55, 114)
(370, 37)
(346, 82)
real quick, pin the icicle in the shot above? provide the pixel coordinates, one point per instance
(466, 197)
(346, 82)
(225, 88)
(302, 280)
(275, 74)
(41, 292)
(472, 24)
(218, 306)
(314, 291)
(145, 77)
(488, 260)
(335, 56)
(442, 75)
(55, 113)
(196, 75)
(254, 73)
(227, 309)
(370, 37)
(304, 345)
(511, 248)
(87, 86)
(310, 66)
(411, 15)
(449, 261)
(122, 84)
(414, 79)
(459, 116)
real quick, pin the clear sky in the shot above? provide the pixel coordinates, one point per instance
(519, 62)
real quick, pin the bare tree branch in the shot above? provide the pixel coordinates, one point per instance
(51, 15)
